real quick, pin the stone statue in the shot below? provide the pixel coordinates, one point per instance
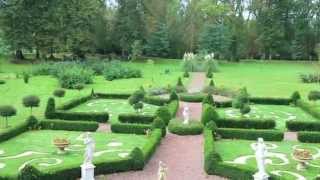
(89, 150)
(162, 171)
(261, 153)
(186, 115)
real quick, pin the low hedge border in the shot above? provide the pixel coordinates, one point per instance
(14, 131)
(136, 118)
(102, 167)
(309, 137)
(270, 100)
(176, 126)
(246, 123)
(74, 103)
(101, 117)
(69, 125)
(308, 108)
(303, 126)
(158, 101)
(214, 165)
(130, 128)
(112, 95)
(248, 134)
(196, 97)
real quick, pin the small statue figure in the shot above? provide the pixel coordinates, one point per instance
(261, 153)
(162, 171)
(89, 150)
(186, 115)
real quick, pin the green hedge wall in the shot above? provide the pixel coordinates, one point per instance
(136, 118)
(248, 134)
(310, 109)
(69, 125)
(113, 95)
(246, 123)
(208, 114)
(156, 100)
(270, 101)
(224, 104)
(101, 117)
(14, 131)
(196, 97)
(173, 108)
(309, 137)
(154, 141)
(303, 126)
(176, 126)
(74, 103)
(129, 128)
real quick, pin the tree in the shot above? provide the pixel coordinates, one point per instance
(31, 102)
(7, 111)
(295, 97)
(137, 50)
(245, 109)
(158, 42)
(241, 99)
(135, 100)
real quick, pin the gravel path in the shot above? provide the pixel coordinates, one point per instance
(183, 155)
(291, 136)
(104, 127)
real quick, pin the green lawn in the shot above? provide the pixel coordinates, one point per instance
(114, 107)
(280, 114)
(36, 148)
(279, 153)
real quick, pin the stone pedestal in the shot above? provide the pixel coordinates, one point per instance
(87, 171)
(260, 176)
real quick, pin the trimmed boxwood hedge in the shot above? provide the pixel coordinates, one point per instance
(74, 103)
(112, 95)
(158, 101)
(136, 118)
(270, 100)
(309, 137)
(101, 117)
(208, 114)
(194, 97)
(310, 109)
(246, 123)
(248, 134)
(176, 126)
(69, 125)
(303, 126)
(224, 104)
(129, 128)
(153, 142)
(15, 131)
(173, 107)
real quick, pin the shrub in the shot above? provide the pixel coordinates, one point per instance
(245, 109)
(313, 110)
(186, 74)
(211, 83)
(303, 126)
(74, 102)
(314, 95)
(209, 73)
(158, 91)
(59, 93)
(176, 126)
(310, 78)
(210, 89)
(194, 97)
(78, 87)
(248, 134)
(137, 159)
(173, 108)
(31, 102)
(212, 126)
(209, 100)
(180, 87)
(174, 96)
(241, 99)
(32, 122)
(136, 118)
(246, 123)
(309, 137)
(116, 70)
(7, 111)
(295, 97)
(164, 113)
(74, 77)
(158, 123)
(154, 140)
(135, 100)
(129, 128)
(208, 114)
(101, 117)
(211, 157)
(29, 173)
(26, 77)
(270, 101)
(158, 101)
(12, 132)
(2, 82)
(69, 125)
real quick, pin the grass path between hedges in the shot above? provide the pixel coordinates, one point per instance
(183, 155)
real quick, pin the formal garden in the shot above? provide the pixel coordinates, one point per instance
(166, 90)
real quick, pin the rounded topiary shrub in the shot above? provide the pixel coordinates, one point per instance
(32, 122)
(295, 97)
(180, 87)
(50, 109)
(59, 93)
(174, 96)
(158, 123)
(29, 173)
(209, 73)
(212, 126)
(209, 114)
(7, 111)
(31, 101)
(26, 77)
(186, 74)
(137, 159)
(209, 100)
(164, 113)
(176, 126)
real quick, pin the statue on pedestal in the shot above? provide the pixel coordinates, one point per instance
(186, 115)
(87, 168)
(261, 153)
(162, 171)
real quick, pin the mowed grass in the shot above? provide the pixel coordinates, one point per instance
(43, 86)
(36, 148)
(267, 78)
(114, 107)
(280, 114)
(232, 149)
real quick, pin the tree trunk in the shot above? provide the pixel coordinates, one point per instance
(19, 55)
